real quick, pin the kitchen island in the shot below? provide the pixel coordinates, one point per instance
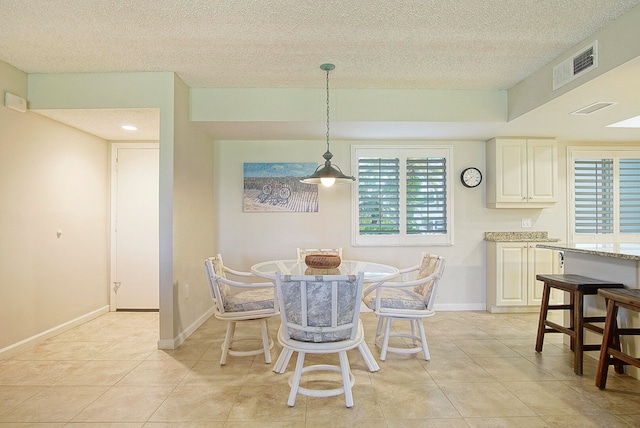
(610, 262)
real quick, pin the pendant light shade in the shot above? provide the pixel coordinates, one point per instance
(328, 174)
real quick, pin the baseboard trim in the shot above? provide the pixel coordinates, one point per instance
(184, 334)
(32, 341)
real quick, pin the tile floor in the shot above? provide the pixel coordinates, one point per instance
(483, 372)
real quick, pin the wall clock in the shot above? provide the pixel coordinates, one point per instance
(471, 177)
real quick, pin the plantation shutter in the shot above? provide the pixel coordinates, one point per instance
(379, 196)
(426, 196)
(594, 196)
(629, 196)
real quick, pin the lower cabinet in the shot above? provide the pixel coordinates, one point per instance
(511, 276)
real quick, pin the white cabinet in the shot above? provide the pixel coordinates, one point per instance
(522, 173)
(511, 276)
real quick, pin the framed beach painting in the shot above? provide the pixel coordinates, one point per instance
(276, 187)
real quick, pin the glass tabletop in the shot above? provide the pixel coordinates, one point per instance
(372, 271)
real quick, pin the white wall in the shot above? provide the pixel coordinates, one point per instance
(193, 218)
(52, 177)
(247, 238)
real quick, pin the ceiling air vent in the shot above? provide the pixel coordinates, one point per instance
(592, 108)
(575, 66)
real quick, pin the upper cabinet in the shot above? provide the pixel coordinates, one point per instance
(522, 173)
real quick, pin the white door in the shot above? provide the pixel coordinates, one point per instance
(134, 263)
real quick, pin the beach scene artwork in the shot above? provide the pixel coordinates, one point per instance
(276, 187)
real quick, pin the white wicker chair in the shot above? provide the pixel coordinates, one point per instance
(302, 252)
(255, 303)
(409, 301)
(320, 315)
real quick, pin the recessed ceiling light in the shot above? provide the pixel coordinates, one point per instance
(632, 122)
(129, 128)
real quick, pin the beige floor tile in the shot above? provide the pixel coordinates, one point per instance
(428, 423)
(157, 372)
(11, 396)
(99, 372)
(485, 400)
(483, 348)
(517, 422)
(267, 424)
(457, 370)
(267, 403)
(125, 404)
(23, 372)
(104, 425)
(53, 404)
(483, 372)
(197, 403)
(585, 421)
(553, 398)
(513, 369)
(414, 401)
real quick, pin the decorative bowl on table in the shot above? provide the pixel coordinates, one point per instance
(322, 261)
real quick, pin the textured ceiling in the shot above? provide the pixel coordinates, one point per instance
(408, 44)
(456, 44)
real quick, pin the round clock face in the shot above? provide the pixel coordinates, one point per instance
(471, 177)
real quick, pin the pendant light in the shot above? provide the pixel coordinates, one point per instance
(327, 174)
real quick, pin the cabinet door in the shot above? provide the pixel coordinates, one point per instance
(511, 170)
(511, 281)
(542, 171)
(541, 261)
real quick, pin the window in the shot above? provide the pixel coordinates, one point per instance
(605, 195)
(402, 195)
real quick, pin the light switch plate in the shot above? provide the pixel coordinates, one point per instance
(526, 222)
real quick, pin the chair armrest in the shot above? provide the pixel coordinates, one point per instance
(402, 283)
(238, 273)
(244, 284)
(371, 288)
(409, 269)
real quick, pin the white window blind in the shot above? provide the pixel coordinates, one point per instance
(379, 194)
(605, 195)
(630, 196)
(402, 196)
(426, 196)
(593, 195)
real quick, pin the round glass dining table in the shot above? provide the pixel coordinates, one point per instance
(373, 272)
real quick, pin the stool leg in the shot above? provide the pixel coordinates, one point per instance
(608, 336)
(544, 309)
(572, 325)
(579, 332)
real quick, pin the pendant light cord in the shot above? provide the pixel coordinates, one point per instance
(328, 110)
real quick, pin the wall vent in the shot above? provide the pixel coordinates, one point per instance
(575, 66)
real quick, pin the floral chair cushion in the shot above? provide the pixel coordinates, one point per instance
(319, 312)
(251, 300)
(396, 298)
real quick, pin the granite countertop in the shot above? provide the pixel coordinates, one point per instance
(519, 237)
(618, 251)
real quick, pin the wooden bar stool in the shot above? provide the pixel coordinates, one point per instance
(611, 353)
(577, 286)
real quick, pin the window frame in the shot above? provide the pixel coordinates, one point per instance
(613, 152)
(402, 152)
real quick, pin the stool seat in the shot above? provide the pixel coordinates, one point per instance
(610, 352)
(577, 286)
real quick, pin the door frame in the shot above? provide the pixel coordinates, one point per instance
(114, 146)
